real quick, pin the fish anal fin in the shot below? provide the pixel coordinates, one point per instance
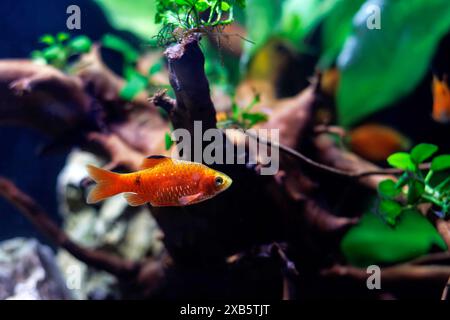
(153, 161)
(186, 200)
(134, 199)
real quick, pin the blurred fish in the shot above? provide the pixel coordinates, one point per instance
(161, 182)
(376, 142)
(441, 97)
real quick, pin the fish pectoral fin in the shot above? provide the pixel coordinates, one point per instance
(153, 161)
(134, 199)
(189, 199)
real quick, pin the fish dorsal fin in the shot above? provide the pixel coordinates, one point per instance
(153, 161)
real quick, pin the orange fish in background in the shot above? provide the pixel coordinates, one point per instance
(377, 142)
(441, 97)
(162, 182)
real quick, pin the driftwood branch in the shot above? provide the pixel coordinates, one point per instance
(188, 79)
(94, 258)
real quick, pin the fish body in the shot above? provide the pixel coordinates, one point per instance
(162, 182)
(376, 142)
(441, 97)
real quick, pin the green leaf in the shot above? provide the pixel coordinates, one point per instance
(47, 39)
(225, 6)
(62, 36)
(118, 44)
(387, 188)
(136, 84)
(374, 242)
(80, 44)
(168, 140)
(378, 67)
(183, 2)
(440, 163)
(390, 210)
(422, 152)
(53, 53)
(202, 5)
(401, 160)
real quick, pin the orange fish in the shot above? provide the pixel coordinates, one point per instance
(376, 142)
(441, 96)
(162, 182)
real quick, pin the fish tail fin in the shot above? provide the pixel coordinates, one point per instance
(107, 184)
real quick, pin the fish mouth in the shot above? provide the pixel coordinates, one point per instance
(228, 183)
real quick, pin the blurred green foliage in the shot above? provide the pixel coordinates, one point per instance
(134, 16)
(136, 82)
(60, 48)
(244, 118)
(374, 242)
(378, 66)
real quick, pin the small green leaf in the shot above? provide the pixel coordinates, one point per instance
(202, 5)
(168, 140)
(53, 53)
(225, 6)
(390, 207)
(440, 163)
(183, 2)
(390, 210)
(422, 152)
(387, 188)
(62, 36)
(47, 39)
(80, 44)
(401, 160)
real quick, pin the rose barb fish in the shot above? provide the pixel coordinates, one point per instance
(162, 182)
(441, 103)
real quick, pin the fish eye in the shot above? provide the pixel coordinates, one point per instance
(219, 181)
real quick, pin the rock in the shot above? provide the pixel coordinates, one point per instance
(28, 271)
(112, 226)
